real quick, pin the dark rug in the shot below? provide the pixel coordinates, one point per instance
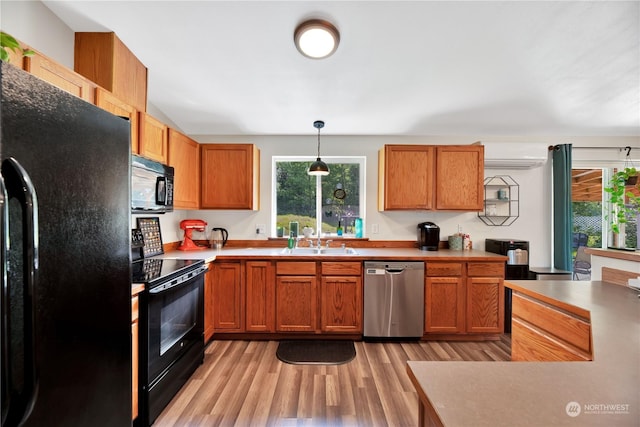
(316, 352)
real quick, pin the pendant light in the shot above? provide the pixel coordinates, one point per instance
(318, 167)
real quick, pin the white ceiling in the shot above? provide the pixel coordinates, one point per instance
(402, 68)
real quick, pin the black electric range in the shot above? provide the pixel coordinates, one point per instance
(154, 271)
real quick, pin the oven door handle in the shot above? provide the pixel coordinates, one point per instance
(178, 280)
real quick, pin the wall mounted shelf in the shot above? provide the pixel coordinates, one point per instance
(501, 201)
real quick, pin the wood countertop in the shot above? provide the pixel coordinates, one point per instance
(538, 393)
(361, 254)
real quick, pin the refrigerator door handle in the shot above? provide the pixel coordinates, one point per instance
(4, 302)
(18, 185)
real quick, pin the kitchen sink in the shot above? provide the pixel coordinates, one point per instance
(320, 251)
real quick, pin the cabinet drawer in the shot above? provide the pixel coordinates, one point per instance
(300, 268)
(531, 344)
(342, 268)
(134, 308)
(565, 326)
(488, 269)
(440, 269)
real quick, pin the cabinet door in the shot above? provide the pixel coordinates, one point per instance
(184, 157)
(208, 304)
(109, 102)
(459, 177)
(341, 304)
(60, 76)
(228, 297)
(405, 177)
(296, 304)
(444, 305)
(230, 174)
(485, 305)
(153, 138)
(104, 59)
(261, 295)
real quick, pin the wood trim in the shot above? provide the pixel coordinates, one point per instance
(572, 309)
(618, 277)
(612, 253)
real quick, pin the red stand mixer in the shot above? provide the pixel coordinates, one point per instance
(189, 226)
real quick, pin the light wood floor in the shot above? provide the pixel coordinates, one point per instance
(242, 383)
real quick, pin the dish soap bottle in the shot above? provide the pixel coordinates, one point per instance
(339, 230)
(291, 243)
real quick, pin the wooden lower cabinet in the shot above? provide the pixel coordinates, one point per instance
(464, 298)
(261, 296)
(444, 305)
(485, 305)
(227, 297)
(208, 304)
(296, 304)
(341, 304)
(542, 332)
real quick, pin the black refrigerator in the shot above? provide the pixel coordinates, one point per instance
(66, 291)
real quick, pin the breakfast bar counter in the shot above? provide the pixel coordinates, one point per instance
(602, 392)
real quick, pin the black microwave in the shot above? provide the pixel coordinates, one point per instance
(151, 186)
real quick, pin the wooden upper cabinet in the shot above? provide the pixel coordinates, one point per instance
(459, 177)
(105, 60)
(60, 76)
(153, 138)
(230, 176)
(431, 177)
(184, 157)
(109, 102)
(405, 177)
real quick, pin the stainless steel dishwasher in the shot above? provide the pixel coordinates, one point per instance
(393, 299)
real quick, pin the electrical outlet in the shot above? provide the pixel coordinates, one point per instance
(375, 229)
(261, 228)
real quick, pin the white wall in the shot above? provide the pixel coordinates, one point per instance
(33, 23)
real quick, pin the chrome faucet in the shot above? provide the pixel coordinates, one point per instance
(326, 243)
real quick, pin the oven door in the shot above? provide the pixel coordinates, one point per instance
(175, 321)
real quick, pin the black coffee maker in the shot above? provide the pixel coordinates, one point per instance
(428, 236)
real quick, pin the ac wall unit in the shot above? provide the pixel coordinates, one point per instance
(514, 155)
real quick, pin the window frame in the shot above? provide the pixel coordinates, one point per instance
(329, 160)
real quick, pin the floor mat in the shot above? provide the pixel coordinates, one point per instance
(316, 352)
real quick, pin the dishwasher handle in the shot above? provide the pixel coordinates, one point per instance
(394, 270)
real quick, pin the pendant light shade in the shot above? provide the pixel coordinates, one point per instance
(318, 167)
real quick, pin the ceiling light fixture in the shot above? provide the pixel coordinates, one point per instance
(318, 167)
(316, 38)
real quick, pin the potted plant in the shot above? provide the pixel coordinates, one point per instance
(8, 42)
(623, 202)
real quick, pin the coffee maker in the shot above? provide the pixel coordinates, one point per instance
(428, 236)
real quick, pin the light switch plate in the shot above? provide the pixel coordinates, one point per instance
(261, 228)
(375, 229)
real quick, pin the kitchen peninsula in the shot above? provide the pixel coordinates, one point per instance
(602, 392)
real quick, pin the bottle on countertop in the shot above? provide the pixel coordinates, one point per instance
(339, 230)
(291, 243)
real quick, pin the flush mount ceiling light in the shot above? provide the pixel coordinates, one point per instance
(316, 38)
(318, 167)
